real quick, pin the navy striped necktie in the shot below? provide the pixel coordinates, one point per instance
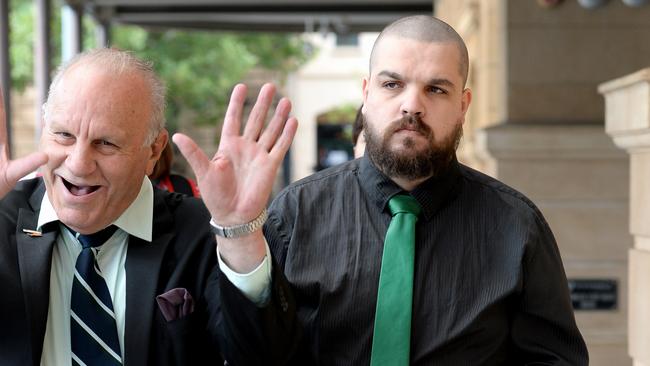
(93, 330)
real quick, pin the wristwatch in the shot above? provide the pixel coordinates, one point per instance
(237, 231)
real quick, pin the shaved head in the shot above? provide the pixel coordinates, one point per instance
(425, 28)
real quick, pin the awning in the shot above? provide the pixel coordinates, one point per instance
(339, 16)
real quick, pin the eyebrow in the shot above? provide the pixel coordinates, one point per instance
(433, 81)
(53, 123)
(390, 74)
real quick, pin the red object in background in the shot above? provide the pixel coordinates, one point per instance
(178, 183)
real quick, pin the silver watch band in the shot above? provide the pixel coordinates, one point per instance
(236, 231)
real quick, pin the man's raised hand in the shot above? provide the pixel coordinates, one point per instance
(237, 182)
(12, 170)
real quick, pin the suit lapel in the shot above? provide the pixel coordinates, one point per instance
(34, 261)
(143, 264)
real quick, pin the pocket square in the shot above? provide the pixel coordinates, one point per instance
(175, 304)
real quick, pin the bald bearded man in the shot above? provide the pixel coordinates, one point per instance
(482, 282)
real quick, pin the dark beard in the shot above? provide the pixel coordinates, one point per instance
(410, 165)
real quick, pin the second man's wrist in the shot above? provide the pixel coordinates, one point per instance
(236, 231)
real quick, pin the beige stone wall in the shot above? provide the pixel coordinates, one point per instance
(535, 65)
(558, 56)
(532, 64)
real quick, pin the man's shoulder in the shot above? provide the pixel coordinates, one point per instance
(323, 183)
(335, 173)
(185, 217)
(179, 205)
(20, 195)
(28, 186)
(499, 191)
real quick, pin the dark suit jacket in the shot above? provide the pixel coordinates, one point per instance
(181, 255)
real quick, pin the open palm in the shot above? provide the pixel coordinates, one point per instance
(237, 182)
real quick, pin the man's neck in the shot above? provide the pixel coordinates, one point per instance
(408, 184)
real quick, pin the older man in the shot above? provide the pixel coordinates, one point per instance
(97, 267)
(404, 256)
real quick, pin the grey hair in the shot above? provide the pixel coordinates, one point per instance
(118, 62)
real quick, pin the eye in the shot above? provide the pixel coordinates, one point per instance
(105, 143)
(63, 138)
(390, 84)
(63, 135)
(435, 90)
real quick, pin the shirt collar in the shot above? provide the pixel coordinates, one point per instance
(136, 220)
(432, 194)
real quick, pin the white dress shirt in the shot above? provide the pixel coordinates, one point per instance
(256, 284)
(137, 220)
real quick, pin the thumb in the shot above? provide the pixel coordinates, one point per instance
(197, 159)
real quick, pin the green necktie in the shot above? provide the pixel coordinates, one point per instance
(391, 341)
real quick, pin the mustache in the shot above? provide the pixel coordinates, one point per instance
(411, 122)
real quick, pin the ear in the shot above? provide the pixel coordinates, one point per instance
(365, 84)
(465, 101)
(157, 148)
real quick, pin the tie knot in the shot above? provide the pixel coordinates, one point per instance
(402, 203)
(96, 239)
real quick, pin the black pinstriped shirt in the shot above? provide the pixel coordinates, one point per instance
(489, 286)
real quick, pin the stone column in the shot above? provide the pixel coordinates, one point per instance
(627, 120)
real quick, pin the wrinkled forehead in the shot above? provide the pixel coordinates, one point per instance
(99, 90)
(84, 78)
(116, 106)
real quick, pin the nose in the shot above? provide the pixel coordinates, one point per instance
(412, 104)
(80, 160)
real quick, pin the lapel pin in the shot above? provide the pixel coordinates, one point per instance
(32, 233)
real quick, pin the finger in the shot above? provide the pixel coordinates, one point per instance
(3, 121)
(197, 159)
(273, 130)
(258, 113)
(19, 168)
(232, 120)
(284, 142)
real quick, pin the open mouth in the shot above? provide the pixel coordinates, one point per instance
(79, 190)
